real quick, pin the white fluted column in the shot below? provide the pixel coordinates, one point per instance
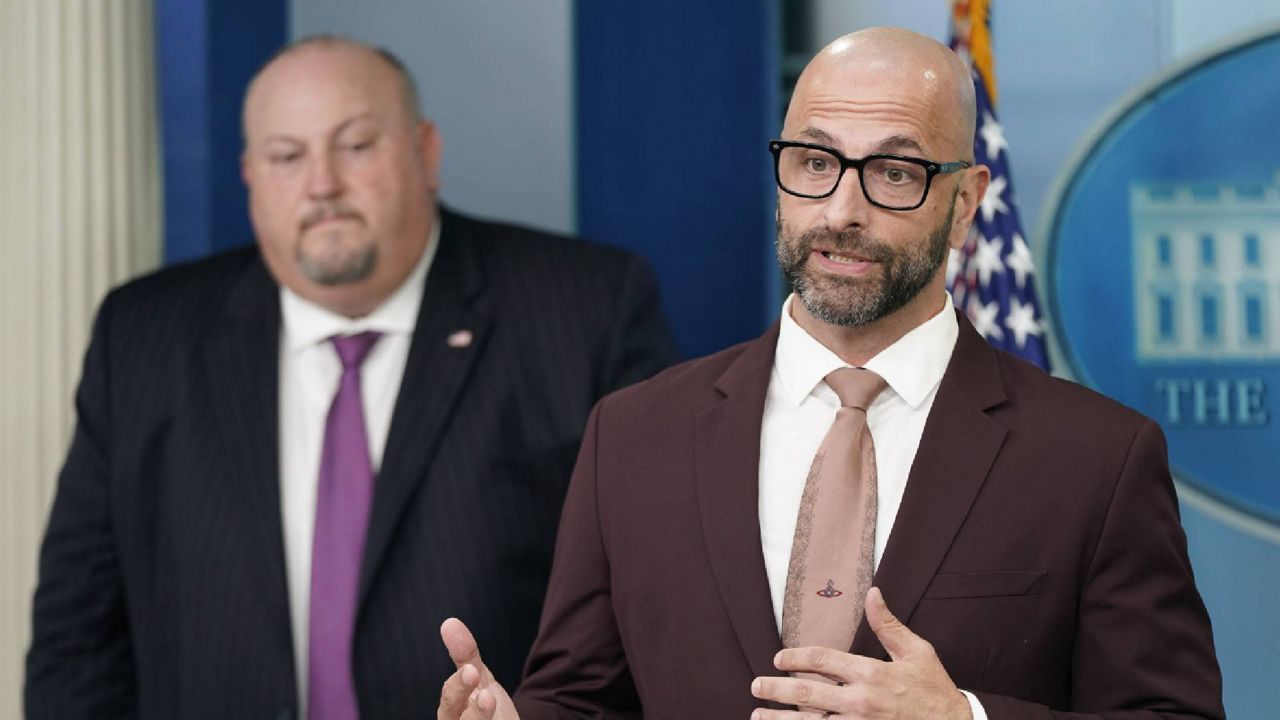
(79, 213)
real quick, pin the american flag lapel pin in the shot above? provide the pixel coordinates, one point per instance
(460, 339)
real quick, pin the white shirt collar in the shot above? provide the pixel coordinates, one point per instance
(307, 324)
(913, 366)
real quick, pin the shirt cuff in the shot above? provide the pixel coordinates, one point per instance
(975, 707)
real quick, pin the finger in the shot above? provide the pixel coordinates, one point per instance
(809, 694)
(897, 639)
(486, 704)
(767, 714)
(460, 643)
(456, 693)
(832, 664)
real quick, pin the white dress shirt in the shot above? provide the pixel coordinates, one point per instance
(309, 375)
(800, 407)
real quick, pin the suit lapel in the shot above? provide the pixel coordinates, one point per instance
(959, 445)
(435, 374)
(241, 362)
(727, 447)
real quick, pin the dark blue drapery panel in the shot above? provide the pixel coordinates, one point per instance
(206, 51)
(676, 101)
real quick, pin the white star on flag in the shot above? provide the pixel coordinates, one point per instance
(992, 202)
(992, 134)
(1022, 321)
(986, 259)
(1019, 260)
(983, 316)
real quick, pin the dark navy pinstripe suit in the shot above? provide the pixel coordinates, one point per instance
(162, 588)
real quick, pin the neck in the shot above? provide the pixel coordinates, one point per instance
(857, 345)
(351, 305)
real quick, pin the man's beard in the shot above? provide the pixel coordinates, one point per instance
(854, 302)
(351, 267)
(323, 259)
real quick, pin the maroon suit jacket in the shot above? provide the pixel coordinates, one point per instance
(1038, 547)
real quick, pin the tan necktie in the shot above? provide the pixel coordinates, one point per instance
(835, 540)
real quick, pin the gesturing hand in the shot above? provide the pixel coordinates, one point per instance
(471, 692)
(914, 685)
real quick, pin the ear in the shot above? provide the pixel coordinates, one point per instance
(973, 187)
(429, 145)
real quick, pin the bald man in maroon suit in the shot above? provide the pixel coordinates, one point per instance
(1029, 560)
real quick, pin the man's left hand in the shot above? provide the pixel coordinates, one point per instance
(914, 685)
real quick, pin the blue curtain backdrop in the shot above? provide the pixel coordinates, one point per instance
(676, 101)
(206, 51)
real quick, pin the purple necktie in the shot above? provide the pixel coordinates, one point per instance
(343, 497)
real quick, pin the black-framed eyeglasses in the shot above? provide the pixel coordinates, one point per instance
(893, 182)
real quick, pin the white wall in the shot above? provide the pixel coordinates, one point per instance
(496, 76)
(1198, 25)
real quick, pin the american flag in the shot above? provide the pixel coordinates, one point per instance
(992, 278)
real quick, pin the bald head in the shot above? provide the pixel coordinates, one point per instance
(382, 63)
(883, 71)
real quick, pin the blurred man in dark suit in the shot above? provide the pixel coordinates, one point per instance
(869, 497)
(292, 461)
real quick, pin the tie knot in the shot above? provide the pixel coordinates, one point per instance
(352, 349)
(857, 387)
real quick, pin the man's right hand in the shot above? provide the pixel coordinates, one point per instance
(470, 693)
